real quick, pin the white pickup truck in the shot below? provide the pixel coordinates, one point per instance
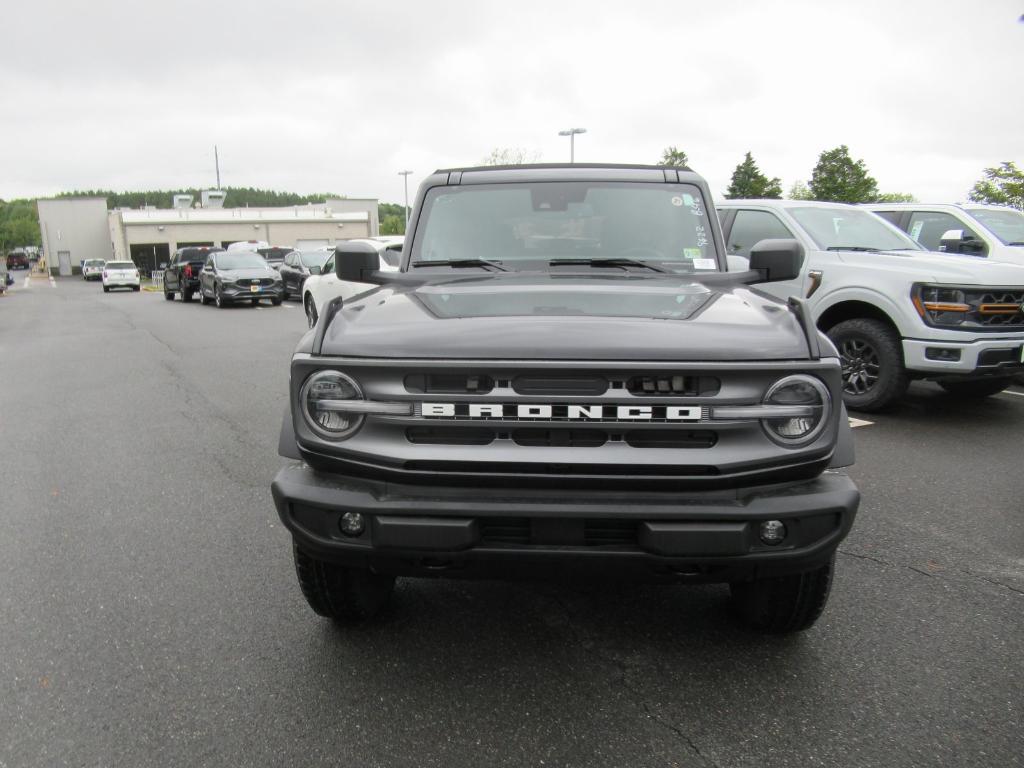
(991, 232)
(894, 311)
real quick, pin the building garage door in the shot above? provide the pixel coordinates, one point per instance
(310, 245)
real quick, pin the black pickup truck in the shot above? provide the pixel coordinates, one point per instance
(564, 378)
(182, 273)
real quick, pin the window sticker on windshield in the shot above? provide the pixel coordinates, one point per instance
(677, 201)
(688, 200)
(915, 231)
(704, 264)
(692, 253)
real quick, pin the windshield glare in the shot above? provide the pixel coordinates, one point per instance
(240, 260)
(839, 228)
(516, 224)
(314, 258)
(1008, 226)
(120, 265)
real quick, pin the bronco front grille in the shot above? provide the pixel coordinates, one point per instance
(590, 532)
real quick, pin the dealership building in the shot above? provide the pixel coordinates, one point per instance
(76, 229)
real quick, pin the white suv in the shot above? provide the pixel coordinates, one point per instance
(989, 231)
(319, 289)
(894, 311)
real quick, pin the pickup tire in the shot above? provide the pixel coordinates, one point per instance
(783, 604)
(310, 307)
(169, 295)
(340, 593)
(186, 296)
(977, 388)
(872, 357)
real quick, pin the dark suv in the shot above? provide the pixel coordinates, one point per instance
(182, 273)
(564, 378)
(17, 260)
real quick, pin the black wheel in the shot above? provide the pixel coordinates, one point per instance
(106, 289)
(783, 604)
(186, 296)
(136, 288)
(169, 295)
(873, 374)
(202, 297)
(218, 299)
(340, 593)
(310, 310)
(276, 302)
(976, 388)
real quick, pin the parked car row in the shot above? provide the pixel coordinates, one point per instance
(222, 277)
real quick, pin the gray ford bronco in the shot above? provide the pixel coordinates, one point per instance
(564, 378)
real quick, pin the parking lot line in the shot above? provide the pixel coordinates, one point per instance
(859, 422)
(1011, 392)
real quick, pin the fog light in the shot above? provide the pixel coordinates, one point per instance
(945, 354)
(772, 532)
(352, 524)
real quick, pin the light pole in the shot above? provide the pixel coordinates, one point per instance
(571, 133)
(405, 180)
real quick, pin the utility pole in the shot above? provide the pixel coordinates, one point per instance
(216, 162)
(405, 175)
(571, 133)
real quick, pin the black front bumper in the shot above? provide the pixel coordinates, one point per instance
(479, 532)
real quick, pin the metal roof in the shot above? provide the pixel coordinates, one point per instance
(303, 213)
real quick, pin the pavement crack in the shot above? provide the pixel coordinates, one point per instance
(931, 574)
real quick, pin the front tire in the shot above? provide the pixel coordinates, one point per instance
(783, 604)
(186, 296)
(976, 389)
(340, 593)
(872, 358)
(311, 315)
(169, 295)
(106, 289)
(218, 299)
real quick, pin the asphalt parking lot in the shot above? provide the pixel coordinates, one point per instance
(149, 613)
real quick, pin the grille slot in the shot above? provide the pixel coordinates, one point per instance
(672, 438)
(505, 530)
(560, 385)
(673, 384)
(450, 435)
(448, 383)
(1000, 357)
(246, 282)
(561, 438)
(601, 532)
(499, 468)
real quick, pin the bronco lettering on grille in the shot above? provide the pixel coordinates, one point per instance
(561, 412)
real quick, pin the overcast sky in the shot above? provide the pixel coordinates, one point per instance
(340, 96)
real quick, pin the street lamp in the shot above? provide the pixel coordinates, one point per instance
(571, 133)
(405, 174)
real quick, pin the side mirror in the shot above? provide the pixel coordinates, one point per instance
(951, 240)
(353, 262)
(777, 259)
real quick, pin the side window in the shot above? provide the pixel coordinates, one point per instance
(750, 227)
(328, 268)
(928, 227)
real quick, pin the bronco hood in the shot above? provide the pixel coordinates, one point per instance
(570, 317)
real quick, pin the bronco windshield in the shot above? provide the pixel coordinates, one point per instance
(1008, 226)
(850, 229)
(534, 225)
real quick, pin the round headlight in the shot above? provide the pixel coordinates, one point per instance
(804, 391)
(319, 398)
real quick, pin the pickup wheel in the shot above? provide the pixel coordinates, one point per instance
(977, 388)
(340, 593)
(310, 310)
(186, 296)
(169, 295)
(783, 604)
(873, 374)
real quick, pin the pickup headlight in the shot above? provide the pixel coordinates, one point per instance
(940, 306)
(808, 403)
(322, 400)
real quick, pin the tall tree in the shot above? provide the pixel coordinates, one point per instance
(510, 156)
(839, 178)
(748, 182)
(674, 157)
(1001, 186)
(799, 191)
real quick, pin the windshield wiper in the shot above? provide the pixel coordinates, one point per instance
(617, 262)
(861, 248)
(458, 263)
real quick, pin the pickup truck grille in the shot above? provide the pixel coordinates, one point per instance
(997, 308)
